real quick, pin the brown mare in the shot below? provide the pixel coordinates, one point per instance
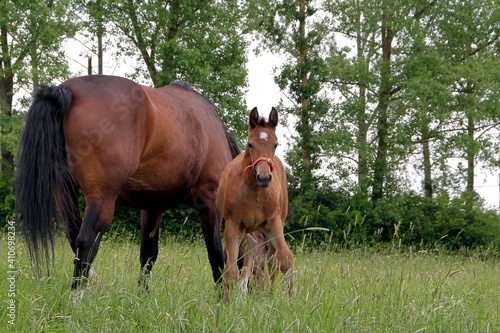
(148, 149)
(252, 196)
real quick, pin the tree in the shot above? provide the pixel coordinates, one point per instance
(471, 37)
(368, 83)
(95, 10)
(294, 29)
(422, 79)
(30, 38)
(351, 75)
(196, 41)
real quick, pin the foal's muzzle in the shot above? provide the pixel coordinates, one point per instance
(264, 181)
(263, 178)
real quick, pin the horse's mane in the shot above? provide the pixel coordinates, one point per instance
(183, 84)
(231, 139)
(233, 142)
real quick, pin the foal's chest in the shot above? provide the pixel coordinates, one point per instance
(257, 207)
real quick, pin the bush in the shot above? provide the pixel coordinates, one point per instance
(407, 219)
(7, 199)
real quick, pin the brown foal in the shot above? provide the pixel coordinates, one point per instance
(252, 196)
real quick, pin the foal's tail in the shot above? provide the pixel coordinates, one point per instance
(42, 171)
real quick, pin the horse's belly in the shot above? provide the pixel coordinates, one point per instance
(148, 200)
(160, 194)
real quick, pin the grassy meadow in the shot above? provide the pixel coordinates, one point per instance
(337, 290)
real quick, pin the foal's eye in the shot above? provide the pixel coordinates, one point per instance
(276, 145)
(250, 145)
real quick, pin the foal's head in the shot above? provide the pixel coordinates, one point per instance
(261, 146)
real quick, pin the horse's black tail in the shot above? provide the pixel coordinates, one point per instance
(42, 171)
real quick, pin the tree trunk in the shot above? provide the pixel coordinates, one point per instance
(99, 49)
(380, 167)
(305, 127)
(6, 92)
(470, 154)
(361, 139)
(34, 64)
(427, 182)
(89, 65)
(100, 33)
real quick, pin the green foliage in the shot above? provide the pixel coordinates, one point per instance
(408, 219)
(295, 30)
(6, 200)
(30, 53)
(441, 76)
(11, 132)
(198, 41)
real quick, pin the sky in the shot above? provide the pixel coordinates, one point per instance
(264, 94)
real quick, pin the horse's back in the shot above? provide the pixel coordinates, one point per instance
(186, 146)
(150, 145)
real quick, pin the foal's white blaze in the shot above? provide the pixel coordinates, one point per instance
(264, 136)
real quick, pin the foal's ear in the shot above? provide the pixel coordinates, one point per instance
(273, 118)
(254, 117)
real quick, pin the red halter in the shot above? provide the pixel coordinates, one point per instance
(262, 158)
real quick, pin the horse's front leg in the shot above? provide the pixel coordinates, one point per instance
(150, 230)
(211, 221)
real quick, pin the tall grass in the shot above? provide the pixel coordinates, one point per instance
(337, 290)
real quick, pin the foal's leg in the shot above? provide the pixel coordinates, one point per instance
(260, 274)
(247, 251)
(151, 221)
(280, 254)
(233, 237)
(98, 216)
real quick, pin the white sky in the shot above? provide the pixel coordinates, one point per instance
(263, 93)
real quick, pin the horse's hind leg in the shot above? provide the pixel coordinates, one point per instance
(98, 217)
(71, 215)
(151, 221)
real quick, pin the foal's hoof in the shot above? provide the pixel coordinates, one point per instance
(93, 277)
(76, 296)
